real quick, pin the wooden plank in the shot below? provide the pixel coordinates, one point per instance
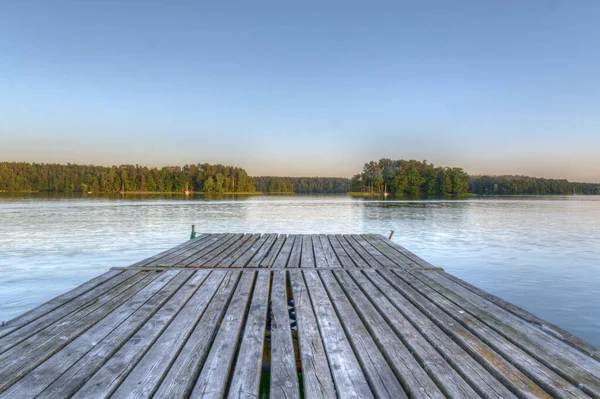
(214, 250)
(246, 376)
(344, 260)
(198, 246)
(211, 242)
(109, 361)
(352, 254)
(533, 319)
(269, 259)
(364, 254)
(542, 324)
(22, 358)
(347, 374)
(307, 259)
(296, 254)
(284, 377)
(243, 260)
(214, 376)
(141, 363)
(381, 377)
(181, 247)
(284, 255)
(319, 254)
(332, 260)
(47, 307)
(316, 377)
(459, 320)
(108, 334)
(400, 341)
(263, 251)
(409, 259)
(179, 380)
(195, 245)
(396, 309)
(235, 246)
(571, 364)
(375, 252)
(85, 299)
(233, 257)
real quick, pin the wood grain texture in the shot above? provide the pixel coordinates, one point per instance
(316, 376)
(284, 378)
(246, 376)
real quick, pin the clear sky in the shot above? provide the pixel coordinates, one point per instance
(304, 88)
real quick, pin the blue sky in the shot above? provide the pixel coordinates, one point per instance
(304, 88)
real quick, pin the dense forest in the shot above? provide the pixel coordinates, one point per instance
(20, 176)
(397, 177)
(525, 185)
(409, 177)
(312, 185)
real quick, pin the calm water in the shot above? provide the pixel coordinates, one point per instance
(542, 254)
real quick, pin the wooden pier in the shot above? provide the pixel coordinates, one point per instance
(288, 316)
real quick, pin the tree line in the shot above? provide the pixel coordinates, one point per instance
(525, 185)
(308, 185)
(400, 177)
(397, 177)
(21, 176)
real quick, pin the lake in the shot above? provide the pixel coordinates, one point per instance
(541, 253)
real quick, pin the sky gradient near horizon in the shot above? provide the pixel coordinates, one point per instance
(305, 88)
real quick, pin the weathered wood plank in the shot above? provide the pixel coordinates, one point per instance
(284, 378)
(243, 260)
(307, 259)
(316, 377)
(341, 254)
(332, 260)
(540, 374)
(284, 255)
(24, 357)
(234, 247)
(319, 254)
(270, 257)
(381, 377)
(542, 324)
(419, 373)
(550, 328)
(296, 254)
(214, 376)
(229, 260)
(108, 363)
(108, 334)
(214, 250)
(52, 316)
(246, 376)
(179, 248)
(196, 245)
(573, 365)
(263, 251)
(143, 361)
(351, 251)
(395, 308)
(182, 375)
(381, 259)
(50, 306)
(364, 254)
(350, 382)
